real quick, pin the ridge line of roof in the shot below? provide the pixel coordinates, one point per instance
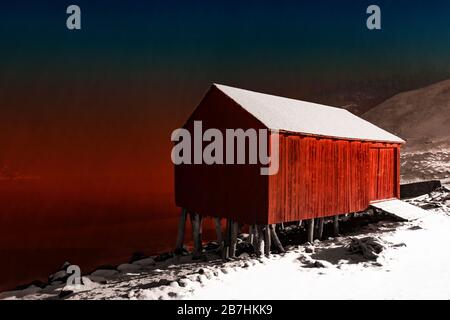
(218, 85)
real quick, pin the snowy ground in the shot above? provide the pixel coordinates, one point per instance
(414, 264)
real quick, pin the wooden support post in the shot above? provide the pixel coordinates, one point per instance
(300, 223)
(226, 244)
(219, 232)
(200, 234)
(274, 236)
(259, 240)
(181, 230)
(336, 225)
(233, 241)
(196, 234)
(267, 241)
(251, 235)
(320, 229)
(311, 230)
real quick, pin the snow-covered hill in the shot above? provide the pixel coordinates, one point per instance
(421, 116)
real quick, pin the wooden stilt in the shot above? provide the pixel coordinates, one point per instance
(275, 238)
(336, 225)
(234, 233)
(267, 241)
(181, 230)
(200, 234)
(311, 230)
(259, 240)
(219, 232)
(196, 234)
(226, 244)
(251, 235)
(320, 228)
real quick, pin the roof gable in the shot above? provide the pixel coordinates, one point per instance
(284, 114)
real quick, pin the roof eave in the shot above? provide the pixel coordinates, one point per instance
(400, 141)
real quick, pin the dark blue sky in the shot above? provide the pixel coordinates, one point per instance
(165, 54)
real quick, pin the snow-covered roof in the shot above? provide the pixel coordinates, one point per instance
(284, 114)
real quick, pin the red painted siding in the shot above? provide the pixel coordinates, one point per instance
(230, 191)
(321, 177)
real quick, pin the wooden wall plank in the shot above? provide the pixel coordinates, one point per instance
(326, 177)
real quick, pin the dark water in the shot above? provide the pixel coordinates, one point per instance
(42, 227)
(23, 265)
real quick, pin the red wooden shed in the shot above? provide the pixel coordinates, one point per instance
(331, 162)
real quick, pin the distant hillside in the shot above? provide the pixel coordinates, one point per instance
(422, 116)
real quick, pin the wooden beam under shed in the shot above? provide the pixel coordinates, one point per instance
(233, 241)
(310, 236)
(267, 240)
(196, 222)
(274, 236)
(336, 225)
(320, 228)
(219, 235)
(181, 231)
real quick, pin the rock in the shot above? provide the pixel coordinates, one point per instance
(104, 273)
(309, 249)
(183, 282)
(55, 284)
(127, 267)
(369, 247)
(208, 274)
(243, 236)
(210, 246)
(163, 257)
(399, 245)
(145, 262)
(244, 255)
(137, 256)
(65, 265)
(58, 276)
(37, 283)
(201, 278)
(322, 264)
(97, 279)
(32, 290)
(64, 293)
